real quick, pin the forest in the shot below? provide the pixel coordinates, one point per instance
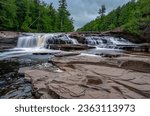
(132, 17)
(34, 16)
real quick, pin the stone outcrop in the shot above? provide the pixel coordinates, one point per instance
(70, 47)
(79, 37)
(8, 39)
(81, 76)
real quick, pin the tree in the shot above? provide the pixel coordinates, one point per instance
(53, 17)
(7, 14)
(102, 10)
(34, 16)
(132, 17)
(63, 15)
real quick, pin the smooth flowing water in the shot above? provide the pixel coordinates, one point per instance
(33, 49)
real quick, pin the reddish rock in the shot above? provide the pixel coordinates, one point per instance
(82, 77)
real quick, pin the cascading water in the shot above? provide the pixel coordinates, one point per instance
(74, 41)
(93, 40)
(43, 40)
(38, 43)
(31, 41)
(107, 42)
(61, 39)
(27, 42)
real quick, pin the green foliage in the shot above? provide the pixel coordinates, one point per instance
(7, 14)
(64, 24)
(34, 16)
(132, 17)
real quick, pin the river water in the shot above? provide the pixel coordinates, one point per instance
(34, 49)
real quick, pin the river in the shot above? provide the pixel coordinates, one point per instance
(35, 50)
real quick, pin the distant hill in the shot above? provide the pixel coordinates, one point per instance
(133, 17)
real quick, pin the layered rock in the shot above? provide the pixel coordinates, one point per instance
(70, 47)
(81, 77)
(8, 39)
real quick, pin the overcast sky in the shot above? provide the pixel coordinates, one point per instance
(84, 11)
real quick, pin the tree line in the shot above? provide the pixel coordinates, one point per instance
(132, 17)
(34, 16)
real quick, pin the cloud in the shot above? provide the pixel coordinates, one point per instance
(84, 11)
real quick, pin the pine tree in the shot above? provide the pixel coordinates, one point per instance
(53, 17)
(102, 10)
(63, 15)
(34, 16)
(7, 14)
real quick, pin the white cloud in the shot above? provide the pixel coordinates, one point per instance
(84, 11)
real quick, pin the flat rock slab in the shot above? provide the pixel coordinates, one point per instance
(88, 77)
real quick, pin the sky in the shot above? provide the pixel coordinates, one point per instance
(83, 11)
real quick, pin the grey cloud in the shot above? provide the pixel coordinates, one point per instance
(84, 11)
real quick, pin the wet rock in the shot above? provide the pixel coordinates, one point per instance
(12, 83)
(79, 37)
(63, 54)
(70, 47)
(18, 89)
(21, 71)
(109, 55)
(8, 69)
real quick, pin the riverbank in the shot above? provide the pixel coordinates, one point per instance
(93, 77)
(57, 66)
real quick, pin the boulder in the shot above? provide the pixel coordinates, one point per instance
(79, 37)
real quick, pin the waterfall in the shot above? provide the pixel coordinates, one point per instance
(43, 40)
(74, 41)
(40, 41)
(106, 40)
(31, 41)
(27, 42)
(60, 39)
(93, 40)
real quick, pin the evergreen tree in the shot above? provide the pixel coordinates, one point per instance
(102, 10)
(7, 14)
(53, 17)
(34, 16)
(63, 15)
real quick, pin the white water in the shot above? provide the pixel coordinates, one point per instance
(42, 40)
(26, 42)
(107, 40)
(37, 43)
(19, 52)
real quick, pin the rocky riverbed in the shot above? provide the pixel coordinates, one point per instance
(52, 66)
(13, 85)
(83, 76)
